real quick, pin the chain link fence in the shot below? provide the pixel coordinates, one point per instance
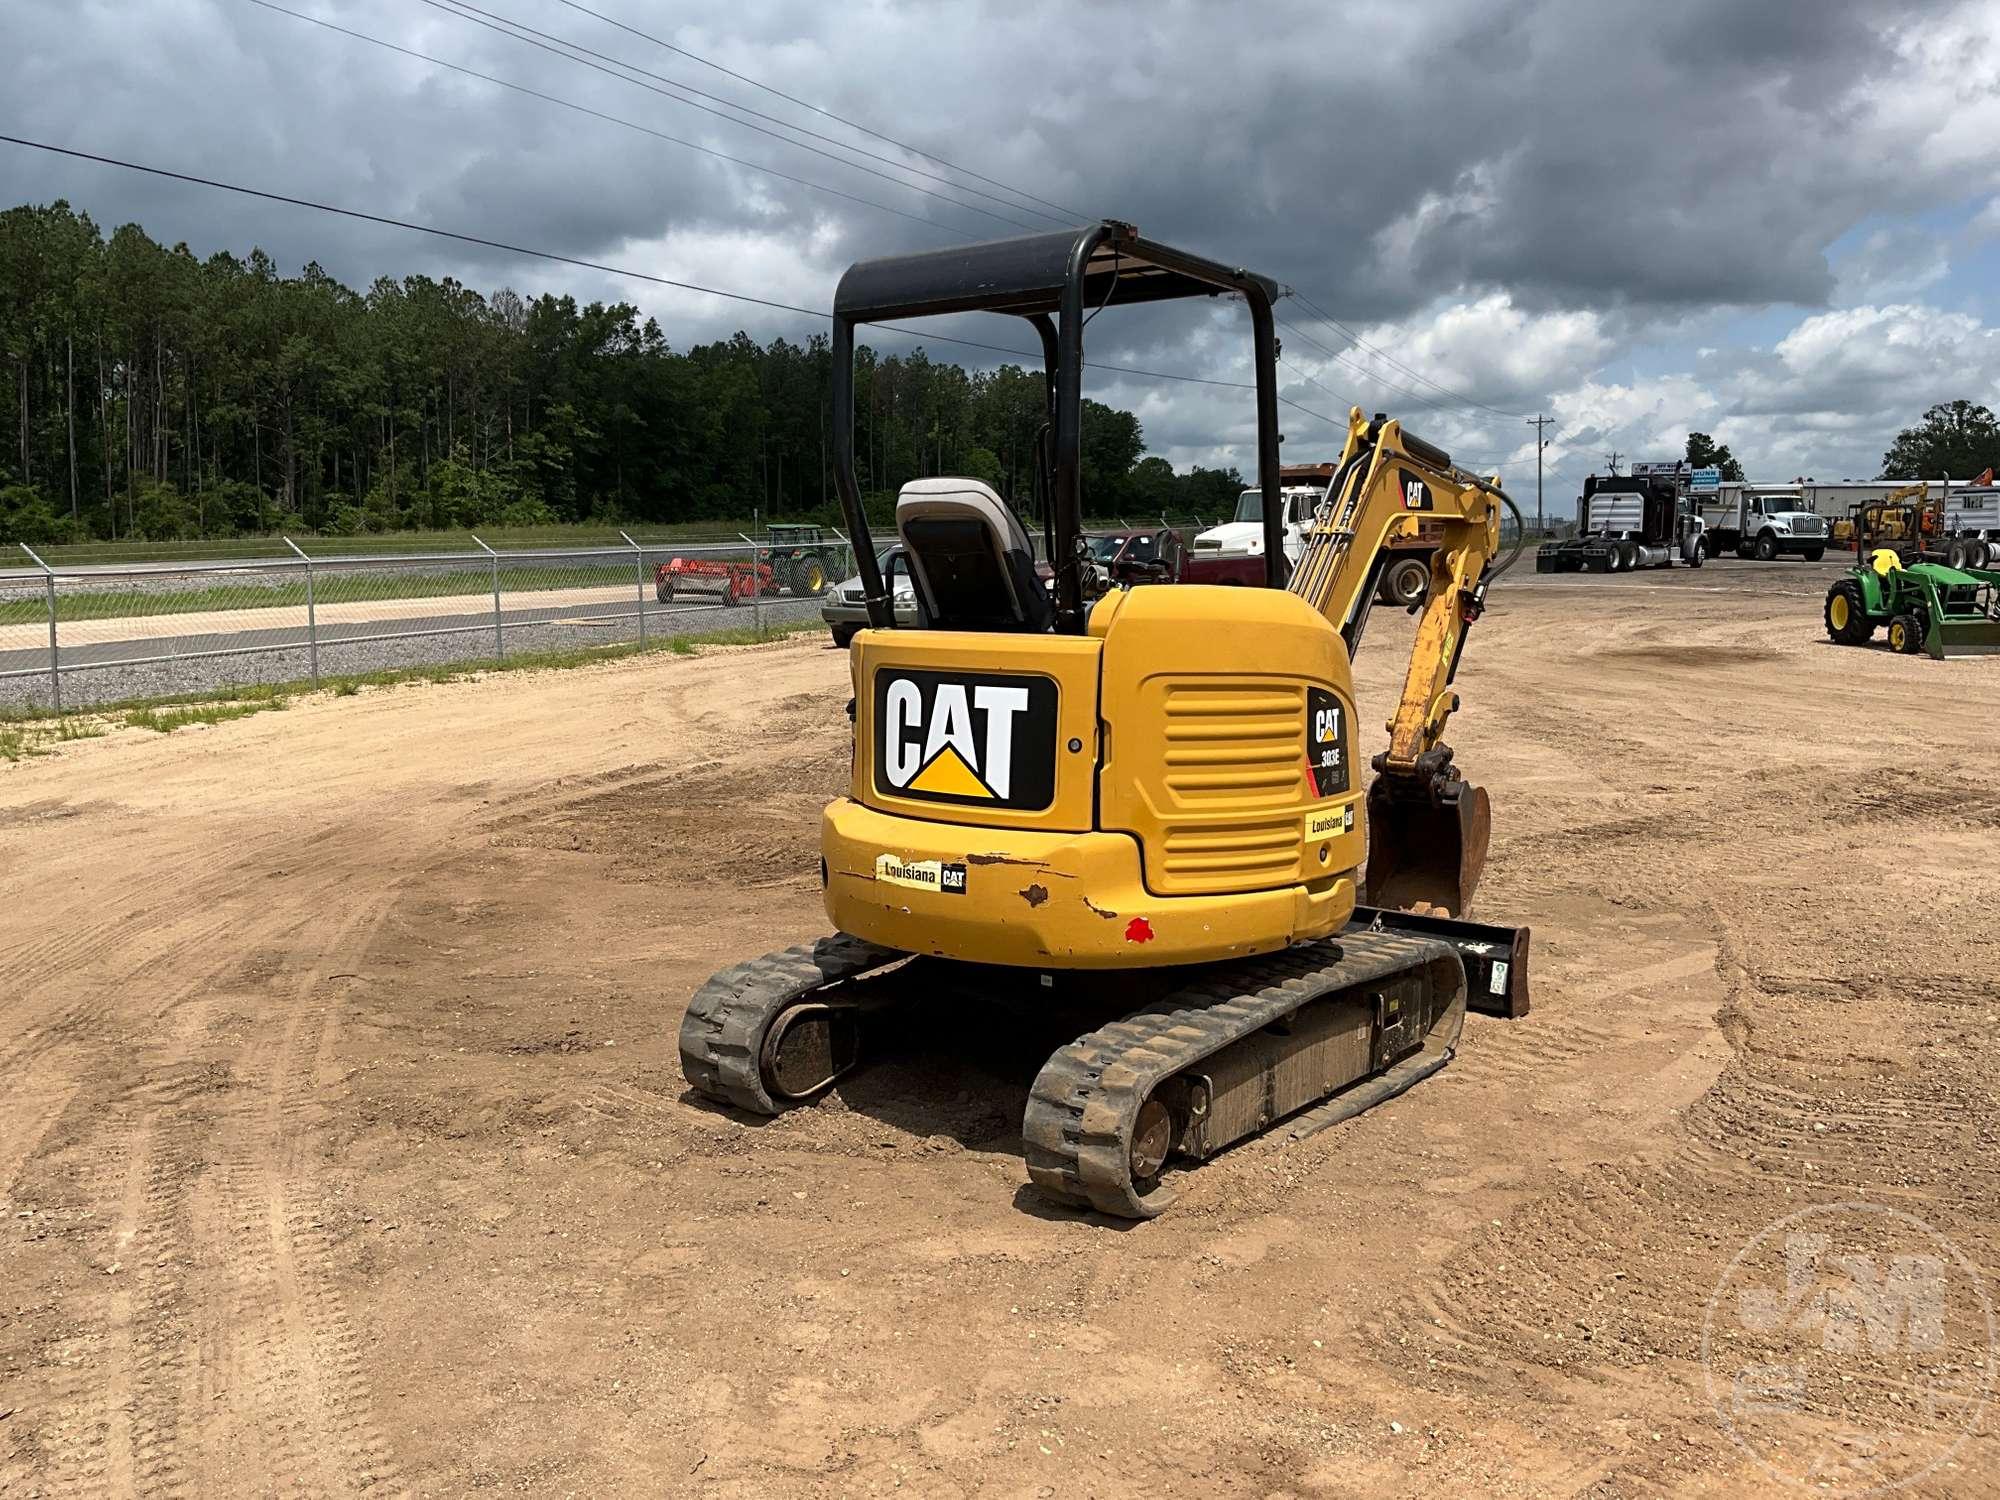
(76, 636)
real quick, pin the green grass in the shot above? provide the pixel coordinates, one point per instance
(239, 549)
(330, 589)
(22, 740)
(167, 720)
(501, 538)
(219, 704)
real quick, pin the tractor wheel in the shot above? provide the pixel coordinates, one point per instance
(1746, 550)
(1628, 552)
(1813, 554)
(809, 577)
(1697, 555)
(1407, 582)
(1906, 634)
(1954, 555)
(663, 589)
(1846, 615)
(1614, 559)
(1979, 554)
(1767, 548)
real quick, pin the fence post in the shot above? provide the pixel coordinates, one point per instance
(55, 664)
(499, 637)
(312, 613)
(756, 589)
(639, 567)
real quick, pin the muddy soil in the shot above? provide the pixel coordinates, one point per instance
(344, 1148)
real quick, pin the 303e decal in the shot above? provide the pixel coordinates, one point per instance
(1326, 743)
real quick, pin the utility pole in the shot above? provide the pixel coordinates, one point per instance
(1613, 459)
(1538, 423)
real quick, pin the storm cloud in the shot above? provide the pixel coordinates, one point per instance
(1593, 209)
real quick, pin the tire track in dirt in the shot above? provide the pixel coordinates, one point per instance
(40, 1092)
(1611, 1270)
(278, 1351)
(205, 1165)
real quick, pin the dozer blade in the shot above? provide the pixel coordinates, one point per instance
(1427, 852)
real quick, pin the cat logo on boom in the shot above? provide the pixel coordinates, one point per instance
(975, 739)
(1416, 493)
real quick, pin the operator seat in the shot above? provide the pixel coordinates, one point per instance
(970, 559)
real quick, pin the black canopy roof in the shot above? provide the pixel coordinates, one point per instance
(1025, 275)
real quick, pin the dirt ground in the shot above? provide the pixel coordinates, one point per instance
(344, 1148)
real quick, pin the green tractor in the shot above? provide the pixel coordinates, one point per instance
(1926, 606)
(804, 560)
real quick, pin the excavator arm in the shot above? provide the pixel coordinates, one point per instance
(1428, 827)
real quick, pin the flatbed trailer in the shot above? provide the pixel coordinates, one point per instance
(701, 577)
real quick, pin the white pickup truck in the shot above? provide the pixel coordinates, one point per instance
(1234, 551)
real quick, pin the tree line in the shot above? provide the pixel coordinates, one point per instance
(154, 394)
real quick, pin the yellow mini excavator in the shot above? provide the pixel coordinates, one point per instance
(1147, 801)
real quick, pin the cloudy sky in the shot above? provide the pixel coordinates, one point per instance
(1774, 220)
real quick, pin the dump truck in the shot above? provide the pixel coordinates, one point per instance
(1969, 524)
(1761, 523)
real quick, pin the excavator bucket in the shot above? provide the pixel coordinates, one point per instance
(1426, 853)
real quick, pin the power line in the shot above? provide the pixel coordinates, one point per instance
(1428, 402)
(518, 31)
(1414, 374)
(1070, 214)
(393, 223)
(901, 166)
(1311, 381)
(628, 124)
(594, 265)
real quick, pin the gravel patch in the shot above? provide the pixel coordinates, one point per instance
(84, 687)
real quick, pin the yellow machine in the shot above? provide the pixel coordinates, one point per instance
(1160, 782)
(1904, 516)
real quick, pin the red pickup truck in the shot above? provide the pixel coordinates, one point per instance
(1140, 554)
(1406, 571)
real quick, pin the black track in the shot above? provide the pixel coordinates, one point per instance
(722, 1036)
(1085, 1102)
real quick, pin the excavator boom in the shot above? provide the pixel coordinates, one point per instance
(1428, 827)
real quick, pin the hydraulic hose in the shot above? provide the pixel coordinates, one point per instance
(1520, 527)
